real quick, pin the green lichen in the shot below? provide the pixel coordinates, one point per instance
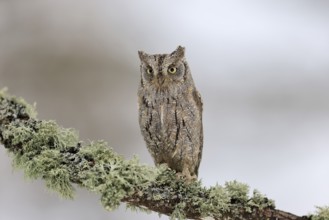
(28, 109)
(322, 213)
(139, 209)
(112, 176)
(38, 147)
(178, 212)
(217, 203)
(230, 198)
(45, 150)
(260, 201)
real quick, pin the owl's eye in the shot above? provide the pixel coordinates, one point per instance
(149, 70)
(172, 70)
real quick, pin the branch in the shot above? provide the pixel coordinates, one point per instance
(47, 151)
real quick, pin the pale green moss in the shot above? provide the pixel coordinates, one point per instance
(45, 150)
(28, 109)
(140, 209)
(260, 201)
(58, 179)
(41, 144)
(218, 202)
(3, 92)
(239, 192)
(113, 176)
(178, 212)
(322, 213)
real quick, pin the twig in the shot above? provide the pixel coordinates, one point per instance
(47, 151)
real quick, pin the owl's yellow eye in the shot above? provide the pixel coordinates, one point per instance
(149, 70)
(172, 70)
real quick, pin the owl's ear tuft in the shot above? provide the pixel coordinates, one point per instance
(179, 52)
(142, 55)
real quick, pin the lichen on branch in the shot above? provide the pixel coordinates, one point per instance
(45, 150)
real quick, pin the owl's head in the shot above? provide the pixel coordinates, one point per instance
(162, 70)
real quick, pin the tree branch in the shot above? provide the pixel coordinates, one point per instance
(47, 151)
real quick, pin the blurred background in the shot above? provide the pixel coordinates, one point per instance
(262, 68)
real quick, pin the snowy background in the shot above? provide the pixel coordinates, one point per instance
(262, 68)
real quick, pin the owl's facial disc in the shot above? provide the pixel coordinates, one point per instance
(170, 72)
(161, 70)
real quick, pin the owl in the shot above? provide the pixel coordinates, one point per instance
(170, 112)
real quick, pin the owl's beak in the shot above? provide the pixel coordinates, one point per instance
(160, 78)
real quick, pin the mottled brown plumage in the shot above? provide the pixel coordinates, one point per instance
(170, 112)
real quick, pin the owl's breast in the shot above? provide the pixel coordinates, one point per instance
(165, 121)
(158, 121)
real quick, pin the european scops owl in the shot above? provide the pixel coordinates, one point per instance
(170, 112)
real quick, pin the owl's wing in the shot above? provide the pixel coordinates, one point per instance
(199, 104)
(198, 100)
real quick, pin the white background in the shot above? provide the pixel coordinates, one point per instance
(262, 68)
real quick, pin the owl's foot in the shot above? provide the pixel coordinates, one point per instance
(186, 175)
